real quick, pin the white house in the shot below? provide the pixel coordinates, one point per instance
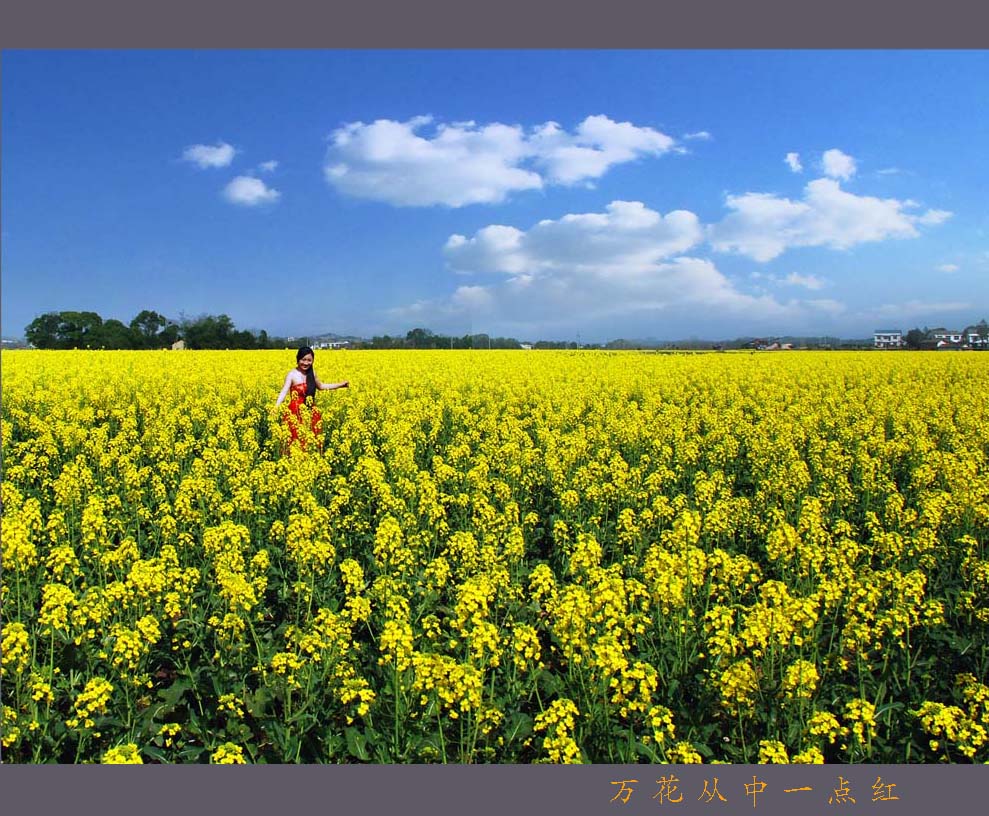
(946, 335)
(888, 338)
(975, 336)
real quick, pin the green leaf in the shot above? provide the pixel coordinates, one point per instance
(356, 744)
(171, 695)
(519, 727)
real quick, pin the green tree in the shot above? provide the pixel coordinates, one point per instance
(148, 329)
(42, 332)
(65, 330)
(420, 338)
(914, 338)
(209, 332)
(114, 335)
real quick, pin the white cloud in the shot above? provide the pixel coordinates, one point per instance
(250, 192)
(826, 305)
(793, 160)
(807, 281)
(597, 145)
(763, 225)
(625, 263)
(268, 166)
(462, 163)
(627, 236)
(203, 156)
(701, 135)
(932, 218)
(838, 165)
(673, 289)
(917, 308)
(472, 298)
(948, 268)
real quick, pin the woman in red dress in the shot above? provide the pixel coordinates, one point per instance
(303, 383)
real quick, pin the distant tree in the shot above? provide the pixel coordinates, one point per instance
(42, 332)
(153, 330)
(243, 340)
(167, 336)
(64, 330)
(208, 332)
(420, 338)
(114, 335)
(914, 338)
(146, 325)
(80, 329)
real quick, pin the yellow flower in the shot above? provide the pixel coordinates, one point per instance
(15, 648)
(812, 756)
(683, 753)
(739, 686)
(228, 754)
(127, 754)
(92, 700)
(559, 721)
(773, 752)
(800, 681)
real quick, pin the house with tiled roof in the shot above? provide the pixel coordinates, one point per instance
(888, 338)
(946, 337)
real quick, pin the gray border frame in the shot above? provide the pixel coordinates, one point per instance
(503, 24)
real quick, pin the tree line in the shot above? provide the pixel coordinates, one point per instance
(148, 330)
(420, 338)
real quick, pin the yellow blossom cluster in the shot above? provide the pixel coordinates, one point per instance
(501, 556)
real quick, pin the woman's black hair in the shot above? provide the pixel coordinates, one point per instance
(310, 374)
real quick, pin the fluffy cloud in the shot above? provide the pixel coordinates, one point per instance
(626, 238)
(204, 156)
(793, 160)
(268, 166)
(623, 264)
(250, 192)
(701, 135)
(948, 268)
(597, 145)
(917, 308)
(838, 165)
(762, 226)
(807, 281)
(680, 290)
(463, 163)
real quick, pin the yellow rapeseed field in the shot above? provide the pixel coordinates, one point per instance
(496, 557)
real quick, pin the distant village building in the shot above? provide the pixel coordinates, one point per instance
(178, 345)
(946, 336)
(976, 336)
(888, 338)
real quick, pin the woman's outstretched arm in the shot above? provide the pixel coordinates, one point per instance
(331, 386)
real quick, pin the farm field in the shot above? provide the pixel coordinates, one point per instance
(496, 556)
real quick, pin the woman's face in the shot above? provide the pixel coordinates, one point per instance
(305, 363)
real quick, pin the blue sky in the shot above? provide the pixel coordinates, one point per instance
(536, 194)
